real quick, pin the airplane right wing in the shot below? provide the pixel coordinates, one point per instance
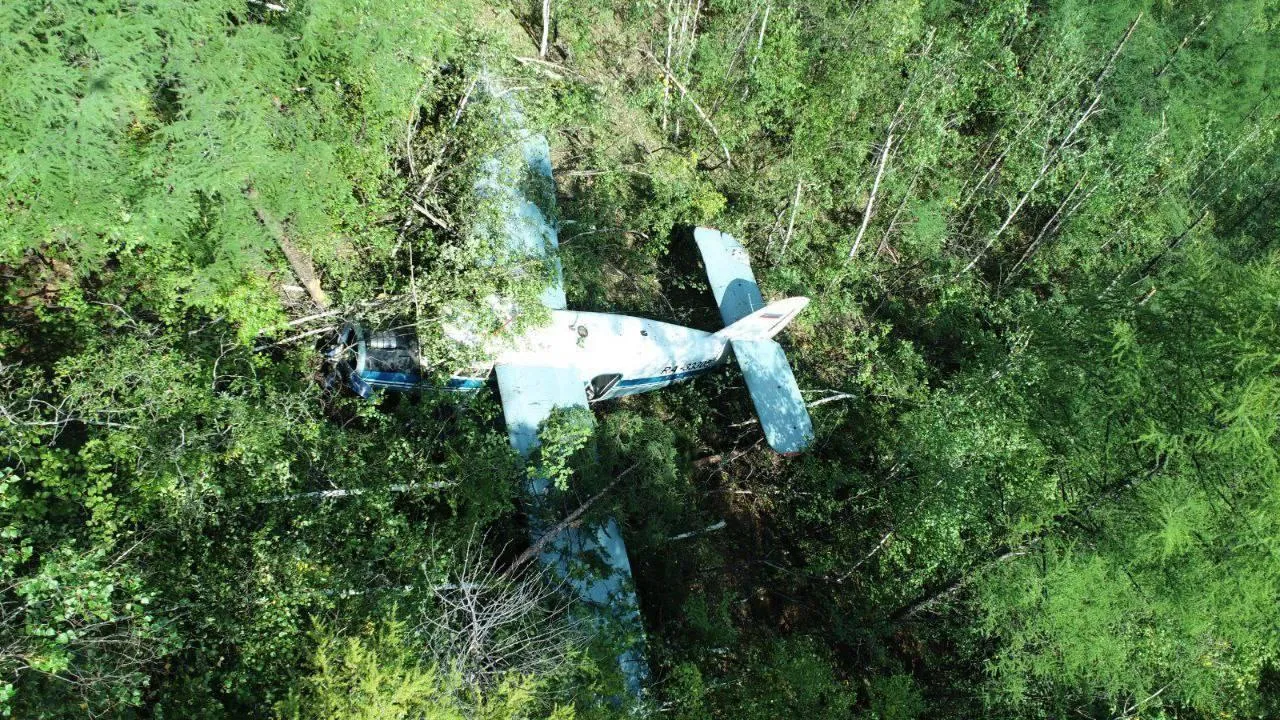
(529, 394)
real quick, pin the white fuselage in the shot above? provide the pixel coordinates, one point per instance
(616, 355)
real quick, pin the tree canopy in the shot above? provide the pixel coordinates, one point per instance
(1042, 357)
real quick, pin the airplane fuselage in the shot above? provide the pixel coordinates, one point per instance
(613, 355)
(616, 355)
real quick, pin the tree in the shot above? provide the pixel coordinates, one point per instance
(377, 674)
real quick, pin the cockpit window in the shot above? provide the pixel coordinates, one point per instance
(601, 385)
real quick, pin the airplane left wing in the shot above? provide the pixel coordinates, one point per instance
(529, 394)
(591, 560)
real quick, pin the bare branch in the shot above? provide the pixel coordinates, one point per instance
(298, 260)
(693, 533)
(684, 92)
(795, 205)
(546, 28)
(569, 521)
(875, 186)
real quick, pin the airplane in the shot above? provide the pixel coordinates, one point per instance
(580, 357)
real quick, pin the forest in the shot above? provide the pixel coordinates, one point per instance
(1042, 358)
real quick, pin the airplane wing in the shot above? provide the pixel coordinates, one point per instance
(529, 394)
(518, 180)
(591, 560)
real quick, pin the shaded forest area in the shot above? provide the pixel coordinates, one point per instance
(1043, 357)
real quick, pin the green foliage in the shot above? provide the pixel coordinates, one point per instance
(787, 677)
(84, 626)
(562, 435)
(378, 675)
(132, 131)
(895, 697)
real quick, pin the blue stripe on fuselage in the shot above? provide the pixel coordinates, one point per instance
(409, 381)
(393, 379)
(634, 382)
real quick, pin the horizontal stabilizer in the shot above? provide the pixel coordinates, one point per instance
(781, 410)
(729, 272)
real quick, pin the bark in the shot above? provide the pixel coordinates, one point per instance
(546, 28)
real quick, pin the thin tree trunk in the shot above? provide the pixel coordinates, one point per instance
(680, 33)
(951, 588)
(927, 601)
(1267, 239)
(764, 24)
(693, 34)
(546, 28)
(1053, 154)
(1173, 245)
(1230, 156)
(1160, 73)
(693, 533)
(570, 520)
(1043, 230)
(298, 260)
(992, 168)
(893, 221)
(795, 205)
(1044, 171)
(296, 338)
(733, 61)
(875, 186)
(666, 69)
(684, 92)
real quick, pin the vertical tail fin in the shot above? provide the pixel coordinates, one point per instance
(766, 322)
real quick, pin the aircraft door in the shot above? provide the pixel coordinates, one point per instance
(601, 385)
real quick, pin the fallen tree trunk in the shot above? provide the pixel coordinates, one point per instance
(299, 261)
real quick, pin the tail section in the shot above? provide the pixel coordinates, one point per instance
(766, 322)
(750, 325)
(729, 272)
